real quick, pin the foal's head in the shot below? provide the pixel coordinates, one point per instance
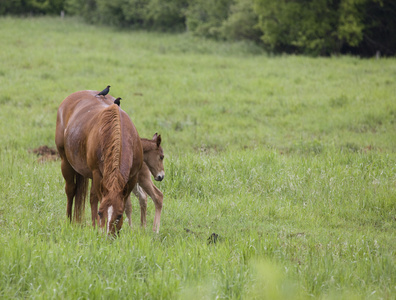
(154, 156)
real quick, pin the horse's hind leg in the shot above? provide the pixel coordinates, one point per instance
(70, 186)
(142, 196)
(95, 195)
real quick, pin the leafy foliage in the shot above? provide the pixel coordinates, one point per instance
(242, 22)
(204, 17)
(17, 7)
(149, 14)
(324, 27)
(320, 27)
(314, 27)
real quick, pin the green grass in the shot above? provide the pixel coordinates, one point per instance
(291, 160)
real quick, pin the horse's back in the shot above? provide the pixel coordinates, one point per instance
(79, 103)
(78, 131)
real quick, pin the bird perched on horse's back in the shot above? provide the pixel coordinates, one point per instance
(117, 101)
(104, 92)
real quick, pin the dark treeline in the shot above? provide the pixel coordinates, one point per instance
(313, 27)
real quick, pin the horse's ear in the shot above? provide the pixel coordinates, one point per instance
(155, 136)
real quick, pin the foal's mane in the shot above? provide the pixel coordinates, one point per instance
(110, 143)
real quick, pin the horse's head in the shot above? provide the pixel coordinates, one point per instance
(154, 157)
(111, 212)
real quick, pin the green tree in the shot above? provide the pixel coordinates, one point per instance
(323, 27)
(298, 26)
(84, 8)
(163, 15)
(125, 13)
(350, 22)
(205, 17)
(241, 23)
(314, 27)
(166, 15)
(379, 33)
(19, 7)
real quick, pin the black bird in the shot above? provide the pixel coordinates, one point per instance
(117, 101)
(104, 92)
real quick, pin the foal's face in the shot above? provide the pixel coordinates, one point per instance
(111, 215)
(154, 159)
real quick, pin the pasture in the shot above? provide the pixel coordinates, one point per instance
(291, 160)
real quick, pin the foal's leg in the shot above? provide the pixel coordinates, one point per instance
(70, 186)
(155, 194)
(157, 197)
(128, 210)
(142, 196)
(95, 195)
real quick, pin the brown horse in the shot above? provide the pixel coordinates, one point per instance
(153, 163)
(97, 140)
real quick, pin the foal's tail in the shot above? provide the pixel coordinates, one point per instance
(81, 193)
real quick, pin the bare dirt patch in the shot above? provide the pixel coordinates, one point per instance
(45, 153)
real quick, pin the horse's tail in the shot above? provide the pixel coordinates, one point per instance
(81, 193)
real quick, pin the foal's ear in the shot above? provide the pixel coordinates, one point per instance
(157, 139)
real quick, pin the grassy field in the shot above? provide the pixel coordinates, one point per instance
(290, 160)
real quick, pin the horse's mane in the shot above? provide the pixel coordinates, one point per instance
(110, 142)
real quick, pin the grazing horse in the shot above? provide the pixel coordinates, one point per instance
(97, 140)
(153, 156)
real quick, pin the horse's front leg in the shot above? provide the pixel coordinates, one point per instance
(94, 196)
(142, 196)
(70, 186)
